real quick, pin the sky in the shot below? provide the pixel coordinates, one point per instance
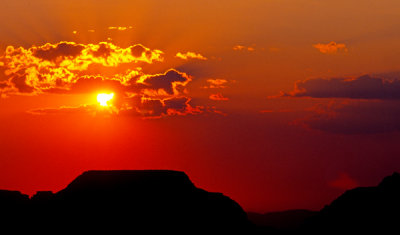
(278, 104)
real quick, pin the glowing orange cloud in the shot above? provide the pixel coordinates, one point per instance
(218, 97)
(190, 55)
(40, 68)
(65, 67)
(240, 48)
(331, 48)
(120, 28)
(216, 83)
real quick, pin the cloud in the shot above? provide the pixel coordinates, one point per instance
(166, 107)
(60, 51)
(216, 84)
(154, 95)
(364, 87)
(218, 97)
(361, 105)
(241, 48)
(171, 82)
(87, 84)
(331, 48)
(65, 110)
(354, 117)
(57, 66)
(344, 181)
(120, 28)
(71, 68)
(190, 55)
(144, 107)
(3, 84)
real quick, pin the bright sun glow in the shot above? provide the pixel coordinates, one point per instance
(103, 98)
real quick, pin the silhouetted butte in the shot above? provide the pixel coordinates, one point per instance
(128, 202)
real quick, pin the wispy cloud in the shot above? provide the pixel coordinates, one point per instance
(331, 48)
(243, 48)
(216, 84)
(218, 97)
(120, 28)
(190, 55)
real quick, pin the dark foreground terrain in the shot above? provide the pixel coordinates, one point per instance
(124, 202)
(131, 202)
(372, 210)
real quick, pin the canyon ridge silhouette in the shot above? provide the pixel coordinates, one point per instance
(133, 201)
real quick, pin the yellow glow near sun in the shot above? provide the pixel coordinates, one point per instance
(103, 98)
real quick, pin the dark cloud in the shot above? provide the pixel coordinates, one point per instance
(151, 107)
(62, 49)
(177, 104)
(356, 117)
(138, 50)
(19, 82)
(173, 106)
(171, 82)
(65, 110)
(3, 84)
(364, 87)
(104, 50)
(89, 84)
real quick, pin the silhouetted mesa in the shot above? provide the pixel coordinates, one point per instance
(129, 202)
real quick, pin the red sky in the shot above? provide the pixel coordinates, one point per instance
(278, 104)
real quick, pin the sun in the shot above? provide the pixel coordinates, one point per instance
(104, 98)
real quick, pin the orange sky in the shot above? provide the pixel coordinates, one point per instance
(278, 104)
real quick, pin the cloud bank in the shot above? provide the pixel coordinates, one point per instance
(361, 105)
(354, 117)
(71, 68)
(364, 87)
